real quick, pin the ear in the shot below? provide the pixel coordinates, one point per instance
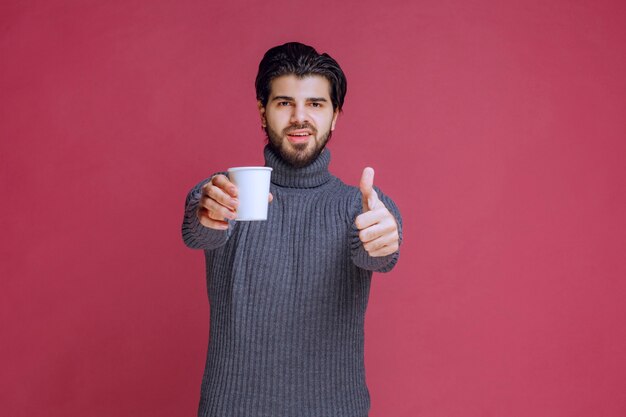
(335, 117)
(261, 113)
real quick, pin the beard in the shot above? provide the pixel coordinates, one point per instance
(298, 155)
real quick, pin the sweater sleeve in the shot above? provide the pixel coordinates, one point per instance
(195, 235)
(360, 257)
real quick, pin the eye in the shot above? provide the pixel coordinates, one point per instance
(315, 104)
(284, 103)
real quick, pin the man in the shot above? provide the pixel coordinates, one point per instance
(288, 295)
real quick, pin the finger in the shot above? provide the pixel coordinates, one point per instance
(369, 218)
(216, 211)
(211, 223)
(217, 194)
(373, 202)
(380, 242)
(220, 191)
(225, 184)
(374, 232)
(270, 198)
(367, 181)
(366, 186)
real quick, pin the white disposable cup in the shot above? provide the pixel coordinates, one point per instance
(253, 187)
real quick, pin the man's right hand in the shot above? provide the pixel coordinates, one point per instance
(219, 203)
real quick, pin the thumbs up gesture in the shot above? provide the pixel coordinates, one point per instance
(378, 229)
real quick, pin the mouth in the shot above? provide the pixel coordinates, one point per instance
(299, 136)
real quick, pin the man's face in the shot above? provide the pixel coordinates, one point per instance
(298, 117)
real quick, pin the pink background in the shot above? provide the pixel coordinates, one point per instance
(498, 128)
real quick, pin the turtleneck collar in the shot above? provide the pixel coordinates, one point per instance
(310, 176)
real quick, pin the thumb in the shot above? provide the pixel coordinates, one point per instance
(366, 186)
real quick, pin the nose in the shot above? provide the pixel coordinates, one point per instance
(299, 114)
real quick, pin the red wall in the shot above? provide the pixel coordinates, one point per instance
(498, 128)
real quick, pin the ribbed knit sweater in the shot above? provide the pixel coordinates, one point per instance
(287, 300)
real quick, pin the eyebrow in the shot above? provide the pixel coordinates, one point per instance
(312, 99)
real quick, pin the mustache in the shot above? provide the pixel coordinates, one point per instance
(300, 126)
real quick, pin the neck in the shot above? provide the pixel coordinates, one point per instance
(310, 176)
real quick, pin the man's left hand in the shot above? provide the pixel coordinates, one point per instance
(378, 227)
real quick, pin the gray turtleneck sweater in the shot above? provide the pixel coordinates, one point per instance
(287, 300)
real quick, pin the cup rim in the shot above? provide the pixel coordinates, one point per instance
(234, 169)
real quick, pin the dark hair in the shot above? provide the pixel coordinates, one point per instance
(300, 60)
